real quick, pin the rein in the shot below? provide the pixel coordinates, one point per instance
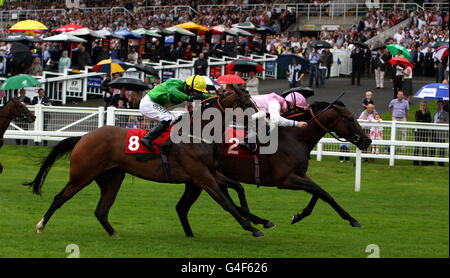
(327, 130)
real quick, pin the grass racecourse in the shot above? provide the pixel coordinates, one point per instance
(402, 209)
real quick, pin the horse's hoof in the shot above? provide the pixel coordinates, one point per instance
(115, 234)
(40, 226)
(355, 224)
(296, 218)
(269, 225)
(258, 234)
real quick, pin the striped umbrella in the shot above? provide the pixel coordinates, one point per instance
(433, 91)
(109, 66)
(441, 52)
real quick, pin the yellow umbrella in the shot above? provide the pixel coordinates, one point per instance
(192, 25)
(28, 25)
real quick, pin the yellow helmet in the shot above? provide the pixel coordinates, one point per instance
(197, 82)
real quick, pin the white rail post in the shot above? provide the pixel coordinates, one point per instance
(64, 92)
(358, 170)
(319, 151)
(101, 116)
(110, 115)
(393, 138)
(39, 122)
(85, 87)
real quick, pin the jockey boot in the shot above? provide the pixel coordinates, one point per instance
(154, 133)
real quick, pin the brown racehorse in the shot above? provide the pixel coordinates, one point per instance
(286, 169)
(13, 109)
(100, 156)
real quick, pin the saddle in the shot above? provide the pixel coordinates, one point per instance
(160, 144)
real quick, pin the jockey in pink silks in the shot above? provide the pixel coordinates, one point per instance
(276, 106)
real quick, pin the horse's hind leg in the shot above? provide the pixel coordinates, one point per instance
(190, 195)
(296, 182)
(73, 186)
(1, 168)
(109, 183)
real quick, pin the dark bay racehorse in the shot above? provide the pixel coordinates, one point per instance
(13, 109)
(100, 156)
(286, 169)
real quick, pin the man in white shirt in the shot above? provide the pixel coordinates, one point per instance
(399, 35)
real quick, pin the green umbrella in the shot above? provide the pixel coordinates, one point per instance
(441, 43)
(144, 32)
(19, 82)
(394, 48)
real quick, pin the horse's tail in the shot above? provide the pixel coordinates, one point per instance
(63, 147)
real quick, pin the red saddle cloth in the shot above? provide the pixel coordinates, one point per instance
(134, 145)
(233, 136)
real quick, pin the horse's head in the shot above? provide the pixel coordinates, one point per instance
(337, 118)
(20, 111)
(236, 98)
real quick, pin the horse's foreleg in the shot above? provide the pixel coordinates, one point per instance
(296, 182)
(109, 183)
(190, 195)
(214, 191)
(225, 182)
(1, 168)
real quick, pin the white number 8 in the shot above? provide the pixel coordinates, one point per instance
(133, 143)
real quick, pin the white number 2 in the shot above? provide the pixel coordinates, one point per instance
(235, 142)
(74, 251)
(376, 251)
(133, 143)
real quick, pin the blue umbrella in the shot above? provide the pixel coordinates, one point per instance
(433, 91)
(169, 41)
(127, 34)
(284, 60)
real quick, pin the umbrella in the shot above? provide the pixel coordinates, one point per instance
(22, 58)
(64, 37)
(87, 32)
(211, 84)
(192, 26)
(320, 44)
(224, 29)
(144, 32)
(441, 52)
(230, 79)
(127, 34)
(106, 33)
(131, 84)
(147, 69)
(361, 44)
(244, 65)
(161, 31)
(265, 29)
(402, 61)
(394, 48)
(108, 66)
(440, 43)
(305, 91)
(19, 37)
(378, 47)
(28, 25)
(69, 27)
(179, 30)
(19, 81)
(284, 60)
(241, 32)
(432, 91)
(245, 25)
